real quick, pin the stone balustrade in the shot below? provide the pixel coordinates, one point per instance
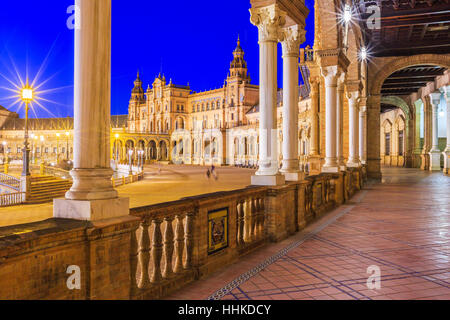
(158, 249)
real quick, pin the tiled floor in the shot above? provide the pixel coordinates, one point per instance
(401, 226)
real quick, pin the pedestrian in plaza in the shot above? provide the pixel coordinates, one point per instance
(208, 174)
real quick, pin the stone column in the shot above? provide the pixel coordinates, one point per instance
(425, 156)
(373, 164)
(446, 153)
(435, 153)
(314, 152)
(92, 196)
(331, 75)
(353, 124)
(340, 122)
(362, 131)
(292, 38)
(269, 21)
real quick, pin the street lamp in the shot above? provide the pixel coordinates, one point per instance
(67, 144)
(130, 154)
(27, 98)
(116, 153)
(4, 152)
(57, 146)
(42, 148)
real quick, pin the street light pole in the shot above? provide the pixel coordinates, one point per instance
(130, 154)
(27, 97)
(67, 145)
(57, 147)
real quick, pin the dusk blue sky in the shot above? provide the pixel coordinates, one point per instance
(190, 41)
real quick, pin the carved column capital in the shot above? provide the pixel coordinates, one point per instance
(269, 21)
(353, 96)
(435, 99)
(331, 75)
(291, 38)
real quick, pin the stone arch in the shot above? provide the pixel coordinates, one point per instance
(400, 63)
(400, 103)
(381, 70)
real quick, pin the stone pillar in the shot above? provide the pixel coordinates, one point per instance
(373, 137)
(331, 75)
(425, 156)
(292, 38)
(362, 131)
(269, 20)
(353, 124)
(314, 152)
(446, 153)
(340, 122)
(435, 153)
(92, 196)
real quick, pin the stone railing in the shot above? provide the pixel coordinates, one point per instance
(10, 181)
(127, 179)
(159, 249)
(173, 245)
(11, 199)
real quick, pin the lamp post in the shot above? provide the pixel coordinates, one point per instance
(27, 98)
(116, 153)
(4, 152)
(130, 162)
(141, 159)
(42, 148)
(57, 146)
(67, 145)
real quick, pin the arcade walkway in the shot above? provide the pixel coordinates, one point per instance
(401, 226)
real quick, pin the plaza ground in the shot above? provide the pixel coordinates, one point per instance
(172, 183)
(401, 226)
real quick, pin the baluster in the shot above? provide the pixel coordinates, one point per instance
(263, 217)
(259, 217)
(189, 237)
(144, 255)
(253, 218)
(134, 252)
(179, 244)
(240, 222)
(157, 250)
(168, 247)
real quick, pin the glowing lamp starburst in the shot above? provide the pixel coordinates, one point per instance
(347, 14)
(27, 94)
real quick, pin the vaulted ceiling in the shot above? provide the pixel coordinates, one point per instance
(407, 27)
(409, 80)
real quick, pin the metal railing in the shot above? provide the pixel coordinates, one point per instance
(10, 181)
(11, 199)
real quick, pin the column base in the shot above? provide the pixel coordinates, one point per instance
(272, 180)
(331, 167)
(353, 164)
(92, 184)
(294, 176)
(435, 161)
(92, 210)
(446, 155)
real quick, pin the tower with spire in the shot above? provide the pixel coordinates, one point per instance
(238, 67)
(137, 98)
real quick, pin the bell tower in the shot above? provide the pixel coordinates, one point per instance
(238, 67)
